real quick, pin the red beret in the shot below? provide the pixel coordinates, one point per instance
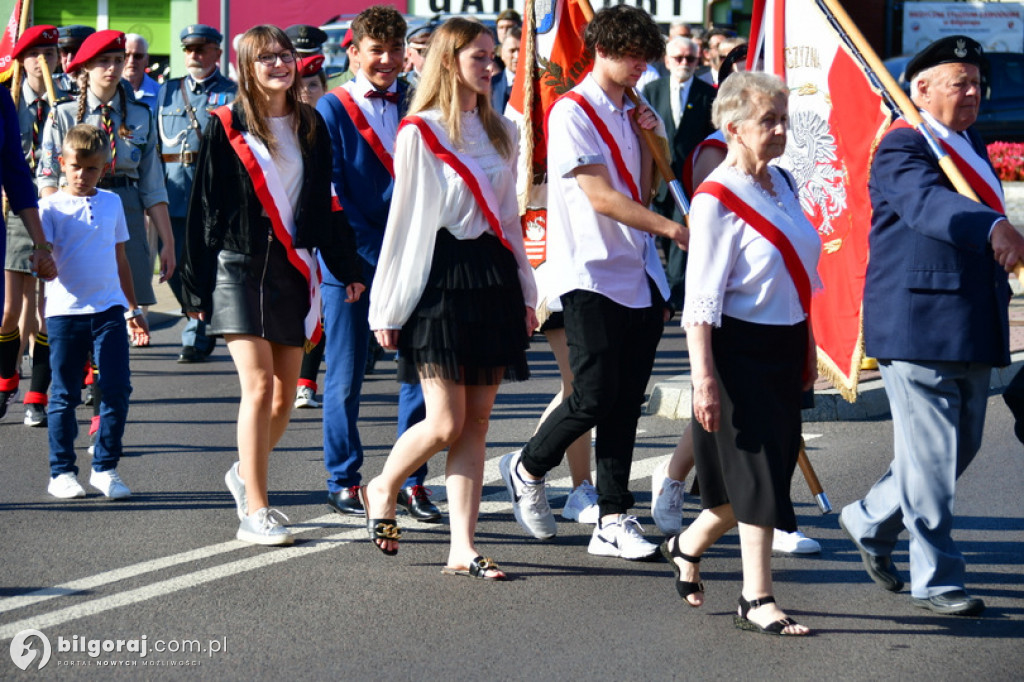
(347, 39)
(310, 66)
(95, 45)
(42, 35)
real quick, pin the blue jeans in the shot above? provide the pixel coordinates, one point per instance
(347, 334)
(72, 337)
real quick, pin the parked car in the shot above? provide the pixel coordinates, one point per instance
(1001, 116)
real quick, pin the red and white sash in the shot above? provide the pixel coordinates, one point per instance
(256, 159)
(468, 170)
(757, 220)
(364, 128)
(975, 169)
(606, 136)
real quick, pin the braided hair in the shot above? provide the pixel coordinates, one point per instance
(83, 98)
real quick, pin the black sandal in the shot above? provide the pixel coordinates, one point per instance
(380, 529)
(478, 568)
(683, 587)
(776, 628)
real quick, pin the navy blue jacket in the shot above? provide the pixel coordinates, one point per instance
(934, 291)
(364, 186)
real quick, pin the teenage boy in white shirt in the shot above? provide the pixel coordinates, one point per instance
(610, 280)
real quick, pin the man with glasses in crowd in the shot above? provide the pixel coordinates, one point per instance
(136, 61)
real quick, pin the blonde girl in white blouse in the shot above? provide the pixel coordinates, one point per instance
(453, 290)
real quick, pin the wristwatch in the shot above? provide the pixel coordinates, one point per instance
(133, 313)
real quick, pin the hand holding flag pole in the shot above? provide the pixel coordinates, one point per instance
(650, 139)
(899, 100)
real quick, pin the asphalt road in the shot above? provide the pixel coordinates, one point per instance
(164, 565)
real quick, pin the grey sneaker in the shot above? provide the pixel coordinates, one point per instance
(236, 485)
(263, 527)
(667, 507)
(109, 483)
(529, 502)
(623, 538)
(305, 398)
(581, 505)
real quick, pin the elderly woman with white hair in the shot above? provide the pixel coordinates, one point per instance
(752, 265)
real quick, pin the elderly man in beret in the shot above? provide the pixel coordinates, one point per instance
(183, 110)
(936, 317)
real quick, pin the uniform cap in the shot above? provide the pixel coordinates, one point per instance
(42, 36)
(71, 36)
(948, 50)
(311, 66)
(306, 38)
(95, 45)
(198, 34)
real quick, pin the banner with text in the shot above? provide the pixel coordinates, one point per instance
(665, 11)
(998, 26)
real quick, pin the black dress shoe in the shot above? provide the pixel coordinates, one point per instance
(879, 568)
(955, 603)
(190, 354)
(346, 502)
(415, 500)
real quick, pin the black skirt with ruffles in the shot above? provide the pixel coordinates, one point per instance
(469, 326)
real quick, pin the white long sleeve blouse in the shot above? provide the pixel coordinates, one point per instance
(428, 196)
(732, 269)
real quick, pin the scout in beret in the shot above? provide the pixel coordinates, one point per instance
(37, 36)
(314, 80)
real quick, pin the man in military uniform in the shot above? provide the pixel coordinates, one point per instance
(70, 40)
(183, 110)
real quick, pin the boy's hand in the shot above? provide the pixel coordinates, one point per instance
(43, 265)
(645, 117)
(138, 330)
(354, 291)
(167, 262)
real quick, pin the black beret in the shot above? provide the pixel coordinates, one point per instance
(948, 50)
(306, 38)
(71, 36)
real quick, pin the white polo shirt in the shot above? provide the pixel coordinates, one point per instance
(587, 250)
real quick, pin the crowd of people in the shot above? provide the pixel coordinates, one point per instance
(307, 219)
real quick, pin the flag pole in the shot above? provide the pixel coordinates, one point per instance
(899, 99)
(650, 139)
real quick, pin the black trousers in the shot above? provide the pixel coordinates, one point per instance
(611, 353)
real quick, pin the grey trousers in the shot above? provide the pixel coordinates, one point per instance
(938, 414)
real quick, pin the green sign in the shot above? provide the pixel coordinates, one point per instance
(149, 18)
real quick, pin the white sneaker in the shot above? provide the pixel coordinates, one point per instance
(667, 500)
(529, 502)
(305, 398)
(263, 527)
(109, 483)
(623, 538)
(794, 543)
(236, 485)
(582, 505)
(65, 486)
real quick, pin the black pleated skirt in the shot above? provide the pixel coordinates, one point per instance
(260, 294)
(749, 461)
(470, 323)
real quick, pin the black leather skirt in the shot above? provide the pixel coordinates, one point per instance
(260, 294)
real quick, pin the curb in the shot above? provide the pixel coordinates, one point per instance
(672, 398)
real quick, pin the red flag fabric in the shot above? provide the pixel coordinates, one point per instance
(8, 41)
(836, 119)
(552, 61)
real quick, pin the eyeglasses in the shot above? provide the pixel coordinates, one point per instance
(270, 58)
(689, 59)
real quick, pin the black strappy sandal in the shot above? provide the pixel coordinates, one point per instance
(775, 628)
(683, 587)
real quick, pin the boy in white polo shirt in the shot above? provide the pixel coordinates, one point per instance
(86, 309)
(610, 280)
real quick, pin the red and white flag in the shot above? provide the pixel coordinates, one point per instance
(552, 62)
(8, 41)
(836, 119)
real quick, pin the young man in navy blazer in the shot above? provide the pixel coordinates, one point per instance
(362, 116)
